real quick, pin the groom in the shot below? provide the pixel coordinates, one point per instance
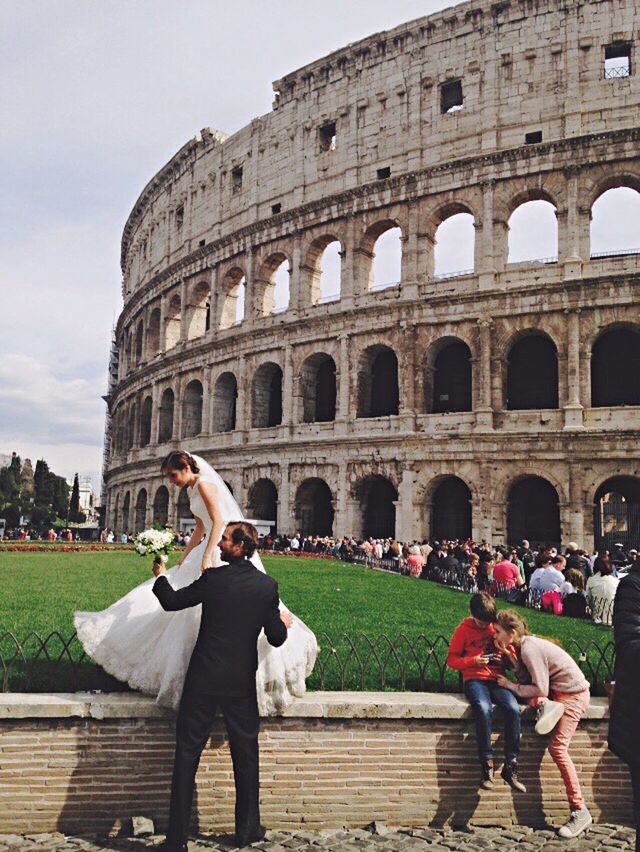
(238, 601)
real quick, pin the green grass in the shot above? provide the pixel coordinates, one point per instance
(41, 591)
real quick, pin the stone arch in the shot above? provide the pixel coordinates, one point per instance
(183, 508)
(454, 241)
(378, 385)
(262, 502)
(377, 497)
(533, 511)
(192, 409)
(165, 416)
(161, 506)
(131, 427)
(448, 376)
(225, 394)
(616, 512)
(382, 248)
(273, 292)
(605, 177)
(615, 366)
(449, 504)
(146, 416)
(153, 333)
(233, 297)
(199, 310)
(615, 220)
(532, 211)
(318, 388)
(172, 323)
(141, 511)
(126, 512)
(116, 513)
(314, 508)
(139, 341)
(322, 269)
(266, 396)
(527, 388)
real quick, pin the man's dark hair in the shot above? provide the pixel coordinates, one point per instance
(483, 607)
(245, 534)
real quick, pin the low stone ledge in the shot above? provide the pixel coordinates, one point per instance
(314, 705)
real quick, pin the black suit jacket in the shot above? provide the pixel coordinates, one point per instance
(238, 601)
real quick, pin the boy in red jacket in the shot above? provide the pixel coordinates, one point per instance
(473, 652)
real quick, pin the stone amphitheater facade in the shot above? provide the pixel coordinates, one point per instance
(333, 414)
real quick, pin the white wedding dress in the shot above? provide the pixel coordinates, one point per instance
(136, 641)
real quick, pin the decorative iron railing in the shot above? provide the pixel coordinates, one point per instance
(346, 662)
(617, 71)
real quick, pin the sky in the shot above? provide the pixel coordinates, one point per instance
(96, 97)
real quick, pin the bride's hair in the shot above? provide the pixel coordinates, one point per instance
(246, 534)
(179, 461)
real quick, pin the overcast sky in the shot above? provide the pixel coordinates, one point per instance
(96, 97)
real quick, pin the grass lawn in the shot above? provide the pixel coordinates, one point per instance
(41, 591)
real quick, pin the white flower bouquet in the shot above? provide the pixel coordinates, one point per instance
(155, 542)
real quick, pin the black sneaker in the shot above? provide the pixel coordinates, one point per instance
(486, 780)
(509, 775)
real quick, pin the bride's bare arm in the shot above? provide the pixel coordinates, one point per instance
(196, 537)
(208, 494)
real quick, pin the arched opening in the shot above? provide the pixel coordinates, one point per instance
(314, 508)
(448, 378)
(139, 342)
(378, 389)
(386, 260)
(199, 308)
(617, 513)
(377, 497)
(225, 394)
(146, 413)
(141, 511)
(116, 513)
(126, 513)
(192, 410)
(532, 374)
(533, 512)
(161, 506)
(165, 416)
(263, 502)
(131, 428)
(266, 396)
(533, 233)
(615, 368)
(234, 288)
(451, 510)
(615, 223)
(454, 248)
(276, 273)
(185, 515)
(325, 262)
(172, 323)
(153, 332)
(318, 389)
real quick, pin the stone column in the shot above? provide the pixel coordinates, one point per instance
(213, 305)
(576, 531)
(206, 401)
(484, 259)
(251, 306)
(243, 402)
(340, 520)
(184, 310)
(484, 410)
(573, 228)
(285, 521)
(573, 410)
(344, 384)
(162, 344)
(295, 276)
(414, 263)
(155, 414)
(178, 409)
(407, 377)
(351, 284)
(406, 515)
(287, 389)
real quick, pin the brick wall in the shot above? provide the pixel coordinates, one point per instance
(78, 764)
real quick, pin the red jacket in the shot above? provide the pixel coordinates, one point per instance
(467, 643)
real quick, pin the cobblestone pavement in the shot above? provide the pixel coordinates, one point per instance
(608, 838)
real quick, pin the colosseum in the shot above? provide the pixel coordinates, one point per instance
(498, 399)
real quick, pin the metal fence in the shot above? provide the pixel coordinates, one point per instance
(346, 662)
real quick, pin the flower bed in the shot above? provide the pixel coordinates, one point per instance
(60, 547)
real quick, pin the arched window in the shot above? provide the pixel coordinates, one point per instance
(131, 428)
(263, 502)
(386, 261)
(141, 511)
(267, 396)
(146, 413)
(533, 512)
(532, 374)
(172, 322)
(318, 389)
(192, 410)
(615, 368)
(225, 395)
(139, 341)
(126, 513)
(234, 292)
(615, 222)
(455, 246)
(451, 510)
(161, 506)
(198, 315)
(314, 508)
(276, 272)
(377, 497)
(533, 233)
(165, 416)
(324, 263)
(153, 333)
(378, 390)
(617, 513)
(448, 377)
(185, 515)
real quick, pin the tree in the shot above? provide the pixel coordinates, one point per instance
(75, 515)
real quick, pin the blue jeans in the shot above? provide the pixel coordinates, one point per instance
(482, 696)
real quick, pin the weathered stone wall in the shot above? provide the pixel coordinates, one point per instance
(83, 763)
(196, 233)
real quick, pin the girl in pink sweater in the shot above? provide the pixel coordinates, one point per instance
(553, 682)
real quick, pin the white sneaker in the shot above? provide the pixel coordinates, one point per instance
(549, 714)
(578, 822)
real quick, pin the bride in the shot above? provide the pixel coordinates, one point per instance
(136, 641)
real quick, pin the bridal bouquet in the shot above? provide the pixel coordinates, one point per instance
(155, 542)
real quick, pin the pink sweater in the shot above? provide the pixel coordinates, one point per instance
(549, 668)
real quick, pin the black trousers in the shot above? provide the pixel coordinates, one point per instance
(193, 727)
(635, 783)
